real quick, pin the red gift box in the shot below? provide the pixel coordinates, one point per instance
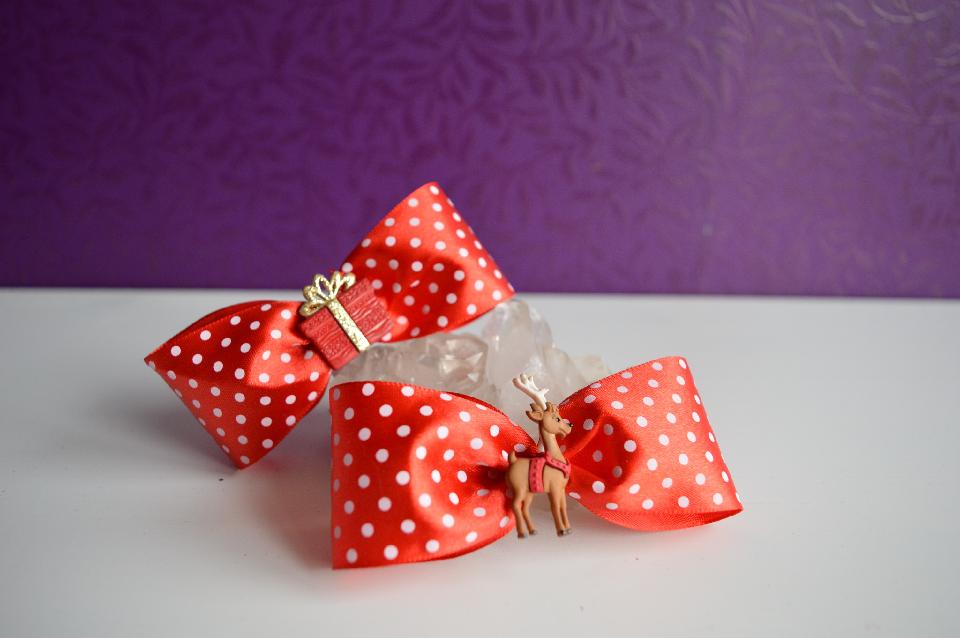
(364, 308)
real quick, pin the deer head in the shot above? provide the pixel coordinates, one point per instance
(542, 412)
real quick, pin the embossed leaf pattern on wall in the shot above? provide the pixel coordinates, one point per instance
(737, 146)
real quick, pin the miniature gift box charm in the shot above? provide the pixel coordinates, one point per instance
(343, 316)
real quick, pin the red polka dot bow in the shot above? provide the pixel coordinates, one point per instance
(251, 371)
(418, 474)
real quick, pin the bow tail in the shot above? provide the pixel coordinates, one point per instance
(245, 374)
(418, 474)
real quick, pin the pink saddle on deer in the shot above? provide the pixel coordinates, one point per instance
(538, 463)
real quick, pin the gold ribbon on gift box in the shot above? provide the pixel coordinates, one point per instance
(322, 293)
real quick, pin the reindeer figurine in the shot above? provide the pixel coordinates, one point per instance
(546, 471)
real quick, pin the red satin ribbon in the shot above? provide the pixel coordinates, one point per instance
(248, 373)
(418, 474)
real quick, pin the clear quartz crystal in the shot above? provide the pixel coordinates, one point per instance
(513, 339)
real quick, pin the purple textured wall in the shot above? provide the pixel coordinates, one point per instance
(730, 146)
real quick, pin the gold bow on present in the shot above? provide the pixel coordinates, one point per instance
(323, 294)
(323, 291)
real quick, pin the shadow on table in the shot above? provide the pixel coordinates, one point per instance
(161, 430)
(289, 489)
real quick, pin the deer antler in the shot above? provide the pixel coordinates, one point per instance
(526, 385)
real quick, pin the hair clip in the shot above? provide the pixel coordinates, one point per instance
(251, 371)
(420, 474)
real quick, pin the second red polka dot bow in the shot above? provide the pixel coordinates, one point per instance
(418, 474)
(251, 371)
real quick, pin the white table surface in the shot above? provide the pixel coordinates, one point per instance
(838, 418)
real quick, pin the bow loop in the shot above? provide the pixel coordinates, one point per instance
(246, 374)
(428, 267)
(417, 473)
(644, 452)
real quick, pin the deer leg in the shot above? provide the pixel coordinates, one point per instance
(526, 514)
(563, 513)
(555, 510)
(518, 515)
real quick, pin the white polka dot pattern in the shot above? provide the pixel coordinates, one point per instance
(655, 457)
(438, 459)
(243, 392)
(247, 373)
(441, 505)
(431, 269)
